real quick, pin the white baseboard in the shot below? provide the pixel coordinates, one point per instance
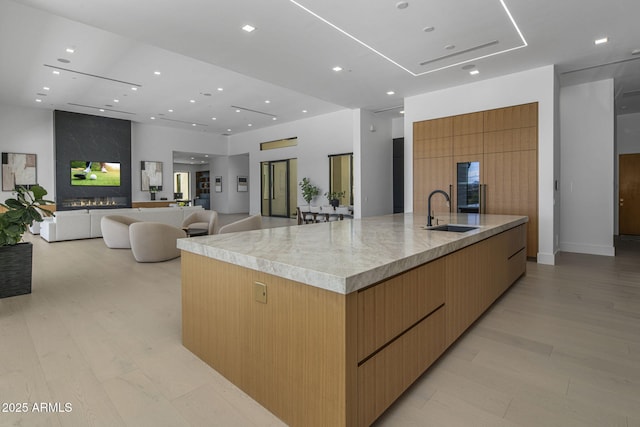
(581, 248)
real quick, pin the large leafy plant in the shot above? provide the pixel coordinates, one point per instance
(21, 211)
(309, 191)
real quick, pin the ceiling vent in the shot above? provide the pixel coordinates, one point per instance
(462, 52)
(95, 76)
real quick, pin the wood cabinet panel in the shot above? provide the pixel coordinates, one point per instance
(512, 189)
(428, 175)
(431, 129)
(384, 377)
(517, 116)
(390, 308)
(268, 348)
(468, 144)
(464, 124)
(436, 147)
(511, 140)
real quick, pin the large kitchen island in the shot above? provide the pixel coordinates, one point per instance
(328, 324)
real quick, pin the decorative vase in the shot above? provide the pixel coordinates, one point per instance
(15, 269)
(335, 203)
(153, 196)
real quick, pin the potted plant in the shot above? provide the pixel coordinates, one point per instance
(334, 197)
(152, 191)
(309, 191)
(15, 255)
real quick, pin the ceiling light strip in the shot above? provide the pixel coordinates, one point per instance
(351, 37)
(92, 75)
(504, 6)
(100, 108)
(388, 109)
(181, 121)
(600, 65)
(462, 52)
(252, 111)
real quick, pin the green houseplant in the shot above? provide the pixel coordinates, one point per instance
(15, 255)
(334, 197)
(309, 191)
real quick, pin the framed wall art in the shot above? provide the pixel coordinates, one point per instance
(218, 184)
(243, 184)
(151, 175)
(18, 169)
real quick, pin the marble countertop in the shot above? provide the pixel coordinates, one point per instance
(344, 256)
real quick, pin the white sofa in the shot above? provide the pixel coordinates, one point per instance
(85, 224)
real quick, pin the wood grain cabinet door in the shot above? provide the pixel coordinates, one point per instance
(629, 202)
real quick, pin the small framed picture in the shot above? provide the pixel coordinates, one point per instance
(218, 184)
(243, 184)
(18, 169)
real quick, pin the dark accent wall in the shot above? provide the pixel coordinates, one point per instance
(91, 138)
(398, 175)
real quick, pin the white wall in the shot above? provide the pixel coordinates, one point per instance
(238, 202)
(628, 134)
(317, 138)
(397, 127)
(157, 143)
(30, 131)
(535, 85)
(587, 177)
(376, 165)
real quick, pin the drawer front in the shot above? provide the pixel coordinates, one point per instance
(389, 308)
(386, 375)
(517, 239)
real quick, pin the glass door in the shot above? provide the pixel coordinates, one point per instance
(277, 188)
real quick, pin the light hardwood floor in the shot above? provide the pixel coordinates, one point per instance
(102, 332)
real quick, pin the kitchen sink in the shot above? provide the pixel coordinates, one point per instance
(453, 228)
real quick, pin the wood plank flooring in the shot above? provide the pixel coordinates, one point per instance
(102, 332)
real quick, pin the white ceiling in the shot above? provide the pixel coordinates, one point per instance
(198, 46)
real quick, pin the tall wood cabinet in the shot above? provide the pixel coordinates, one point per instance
(505, 143)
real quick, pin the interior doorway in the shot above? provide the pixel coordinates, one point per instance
(278, 187)
(629, 197)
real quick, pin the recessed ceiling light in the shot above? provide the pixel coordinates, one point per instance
(38, 100)
(474, 72)
(428, 29)
(116, 100)
(193, 124)
(170, 110)
(274, 118)
(337, 68)
(152, 118)
(193, 158)
(228, 130)
(213, 118)
(56, 72)
(45, 88)
(220, 89)
(249, 125)
(237, 111)
(602, 40)
(101, 110)
(206, 155)
(134, 88)
(304, 111)
(267, 102)
(391, 92)
(70, 50)
(192, 101)
(248, 28)
(157, 73)
(402, 5)
(635, 51)
(401, 111)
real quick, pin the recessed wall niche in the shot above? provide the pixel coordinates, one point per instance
(82, 138)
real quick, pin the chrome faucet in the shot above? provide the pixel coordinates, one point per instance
(446, 196)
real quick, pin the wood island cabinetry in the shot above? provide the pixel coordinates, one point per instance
(316, 357)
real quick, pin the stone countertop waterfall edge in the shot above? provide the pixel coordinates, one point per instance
(345, 256)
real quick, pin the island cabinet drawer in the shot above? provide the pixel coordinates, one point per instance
(516, 239)
(388, 309)
(388, 373)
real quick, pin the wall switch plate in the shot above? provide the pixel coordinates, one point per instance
(260, 292)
